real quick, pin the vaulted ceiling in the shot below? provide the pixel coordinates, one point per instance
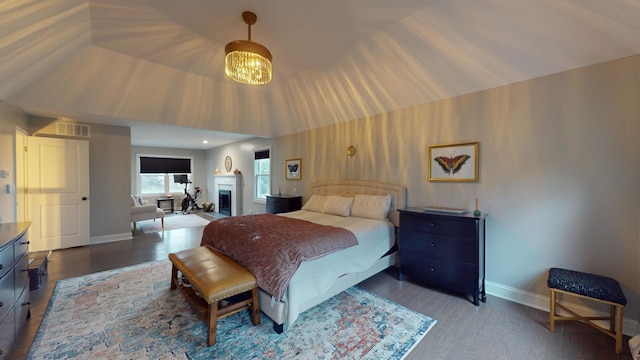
(160, 62)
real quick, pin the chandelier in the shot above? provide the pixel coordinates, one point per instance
(248, 62)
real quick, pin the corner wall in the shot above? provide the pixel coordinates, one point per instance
(559, 169)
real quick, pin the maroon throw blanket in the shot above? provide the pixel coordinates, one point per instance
(272, 246)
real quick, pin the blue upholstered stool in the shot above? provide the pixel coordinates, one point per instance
(593, 287)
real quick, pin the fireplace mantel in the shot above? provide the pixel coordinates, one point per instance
(233, 183)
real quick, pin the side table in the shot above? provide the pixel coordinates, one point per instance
(160, 201)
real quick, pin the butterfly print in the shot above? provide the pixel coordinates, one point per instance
(452, 165)
(293, 168)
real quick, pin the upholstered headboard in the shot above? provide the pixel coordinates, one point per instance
(351, 188)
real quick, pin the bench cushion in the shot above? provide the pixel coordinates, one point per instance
(212, 274)
(594, 286)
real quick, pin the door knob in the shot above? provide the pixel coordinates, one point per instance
(84, 198)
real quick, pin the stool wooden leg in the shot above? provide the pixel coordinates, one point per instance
(552, 309)
(174, 277)
(212, 324)
(612, 318)
(255, 307)
(618, 330)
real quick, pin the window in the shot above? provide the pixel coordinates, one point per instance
(155, 174)
(262, 175)
(160, 184)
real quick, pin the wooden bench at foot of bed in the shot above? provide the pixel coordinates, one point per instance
(214, 277)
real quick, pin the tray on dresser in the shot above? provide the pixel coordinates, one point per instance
(446, 210)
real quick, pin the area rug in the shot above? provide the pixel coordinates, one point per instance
(171, 222)
(131, 313)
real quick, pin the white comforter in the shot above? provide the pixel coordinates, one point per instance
(313, 278)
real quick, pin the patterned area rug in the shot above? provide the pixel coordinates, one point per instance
(171, 222)
(130, 313)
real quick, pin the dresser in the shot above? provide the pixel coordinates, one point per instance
(14, 283)
(283, 203)
(444, 250)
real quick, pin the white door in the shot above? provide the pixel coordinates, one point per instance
(58, 193)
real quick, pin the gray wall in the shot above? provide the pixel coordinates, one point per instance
(10, 117)
(559, 170)
(109, 154)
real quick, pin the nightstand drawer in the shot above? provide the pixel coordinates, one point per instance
(439, 272)
(438, 246)
(438, 225)
(283, 203)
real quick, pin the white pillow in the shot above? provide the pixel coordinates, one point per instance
(371, 206)
(315, 203)
(337, 205)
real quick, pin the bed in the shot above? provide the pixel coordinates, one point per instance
(317, 280)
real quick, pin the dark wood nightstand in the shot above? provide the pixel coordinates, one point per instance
(283, 203)
(445, 250)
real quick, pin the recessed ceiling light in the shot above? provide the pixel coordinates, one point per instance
(205, 142)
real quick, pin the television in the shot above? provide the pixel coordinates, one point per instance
(180, 178)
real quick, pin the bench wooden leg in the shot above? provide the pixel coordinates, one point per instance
(255, 307)
(552, 310)
(174, 277)
(212, 323)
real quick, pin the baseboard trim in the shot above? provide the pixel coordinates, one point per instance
(109, 238)
(540, 302)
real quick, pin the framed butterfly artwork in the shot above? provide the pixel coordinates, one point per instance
(455, 162)
(293, 169)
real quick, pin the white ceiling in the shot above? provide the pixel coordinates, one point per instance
(157, 65)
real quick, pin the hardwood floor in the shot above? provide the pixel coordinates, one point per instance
(499, 329)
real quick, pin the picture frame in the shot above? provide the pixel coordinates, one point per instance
(454, 162)
(293, 169)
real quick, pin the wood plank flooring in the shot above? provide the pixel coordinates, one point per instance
(498, 329)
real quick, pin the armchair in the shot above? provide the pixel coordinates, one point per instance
(144, 211)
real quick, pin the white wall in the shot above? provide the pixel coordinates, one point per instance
(559, 169)
(242, 154)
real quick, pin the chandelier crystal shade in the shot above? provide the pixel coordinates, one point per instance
(248, 62)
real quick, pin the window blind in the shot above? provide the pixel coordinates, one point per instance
(160, 165)
(261, 154)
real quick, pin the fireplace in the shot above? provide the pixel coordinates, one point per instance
(231, 186)
(224, 202)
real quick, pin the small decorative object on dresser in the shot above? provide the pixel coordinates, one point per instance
(283, 203)
(456, 162)
(293, 169)
(446, 250)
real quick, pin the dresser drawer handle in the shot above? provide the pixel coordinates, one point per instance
(432, 269)
(26, 303)
(433, 244)
(1, 304)
(1, 266)
(432, 224)
(25, 243)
